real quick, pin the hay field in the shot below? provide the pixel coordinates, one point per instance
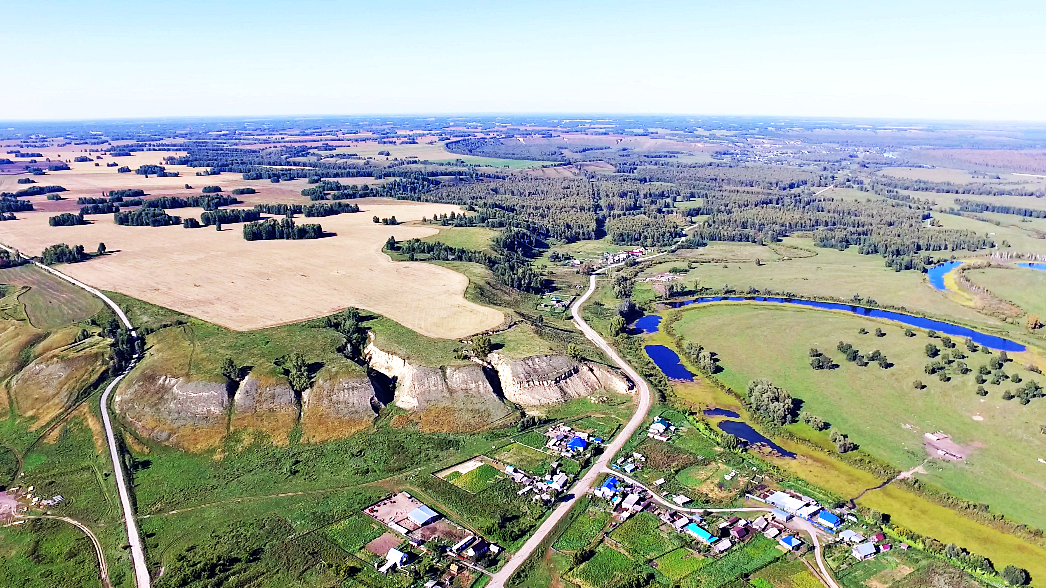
(84, 179)
(50, 302)
(221, 278)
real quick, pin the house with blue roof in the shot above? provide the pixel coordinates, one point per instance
(790, 542)
(699, 533)
(828, 519)
(577, 444)
(608, 489)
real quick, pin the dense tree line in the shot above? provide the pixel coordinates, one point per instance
(506, 149)
(648, 231)
(62, 253)
(509, 268)
(241, 191)
(66, 219)
(105, 208)
(33, 191)
(146, 217)
(223, 216)
(155, 170)
(211, 189)
(121, 194)
(328, 209)
(10, 204)
(206, 202)
(283, 229)
(976, 206)
(976, 189)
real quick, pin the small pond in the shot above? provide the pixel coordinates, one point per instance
(1034, 266)
(722, 412)
(646, 324)
(668, 361)
(745, 432)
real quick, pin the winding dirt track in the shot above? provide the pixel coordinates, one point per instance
(103, 567)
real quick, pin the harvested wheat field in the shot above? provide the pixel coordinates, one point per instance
(83, 179)
(222, 278)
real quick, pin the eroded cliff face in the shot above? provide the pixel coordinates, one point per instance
(454, 398)
(265, 403)
(195, 415)
(337, 406)
(191, 415)
(548, 379)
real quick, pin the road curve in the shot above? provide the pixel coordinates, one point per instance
(103, 568)
(141, 569)
(586, 482)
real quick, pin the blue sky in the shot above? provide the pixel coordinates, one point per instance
(914, 59)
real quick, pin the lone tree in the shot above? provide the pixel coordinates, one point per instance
(101, 249)
(932, 350)
(481, 346)
(1015, 576)
(229, 369)
(574, 352)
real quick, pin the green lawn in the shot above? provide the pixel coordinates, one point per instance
(525, 458)
(50, 302)
(478, 479)
(475, 238)
(46, 553)
(604, 567)
(584, 530)
(680, 563)
(879, 409)
(353, 533)
(1023, 287)
(740, 560)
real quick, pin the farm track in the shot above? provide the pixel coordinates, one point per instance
(103, 567)
(141, 569)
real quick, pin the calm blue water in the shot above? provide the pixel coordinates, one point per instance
(1034, 266)
(744, 431)
(722, 412)
(668, 361)
(990, 341)
(648, 323)
(936, 274)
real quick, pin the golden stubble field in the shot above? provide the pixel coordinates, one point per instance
(84, 179)
(243, 285)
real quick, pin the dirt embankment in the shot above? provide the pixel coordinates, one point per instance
(548, 379)
(195, 415)
(51, 383)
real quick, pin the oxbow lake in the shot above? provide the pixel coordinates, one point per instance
(1034, 266)
(936, 273)
(990, 341)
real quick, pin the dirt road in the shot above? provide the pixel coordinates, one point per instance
(103, 567)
